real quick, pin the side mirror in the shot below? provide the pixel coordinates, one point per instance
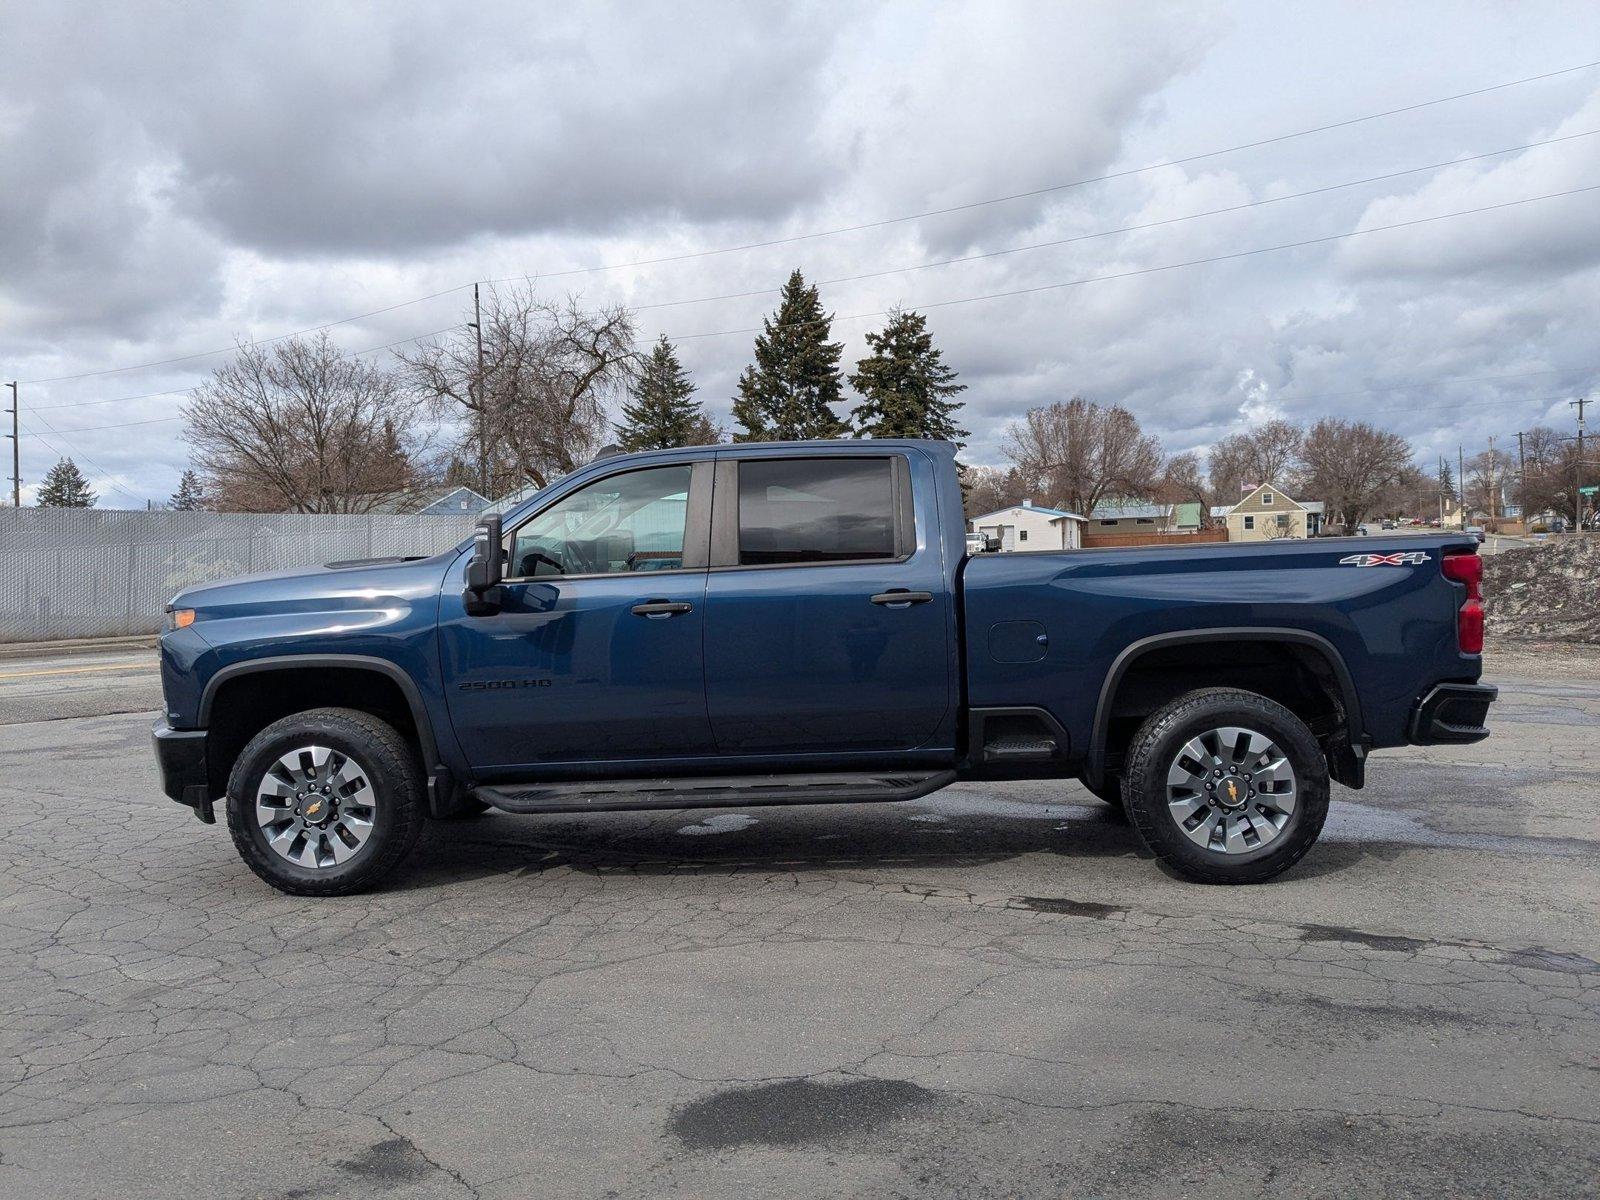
(484, 569)
(992, 544)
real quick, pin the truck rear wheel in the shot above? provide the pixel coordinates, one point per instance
(325, 802)
(1226, 786)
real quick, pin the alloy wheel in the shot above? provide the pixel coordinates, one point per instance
(1231, 790)
(316, 807)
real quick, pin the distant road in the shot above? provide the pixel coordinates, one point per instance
(47, 687)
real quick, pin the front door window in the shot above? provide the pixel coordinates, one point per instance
(625, 523)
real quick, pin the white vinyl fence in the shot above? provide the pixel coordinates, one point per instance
(83, 572)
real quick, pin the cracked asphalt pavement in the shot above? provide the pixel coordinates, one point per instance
(988, 992)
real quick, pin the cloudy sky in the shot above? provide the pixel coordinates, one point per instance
(176, 177)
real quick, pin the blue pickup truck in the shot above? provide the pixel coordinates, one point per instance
(803, 623)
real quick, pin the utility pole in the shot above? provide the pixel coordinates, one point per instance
(483, 425)
(1461, 485)
(16, 449)
(1522, 480)
(1578, 468)
(1494, 499)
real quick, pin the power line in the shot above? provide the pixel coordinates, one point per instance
(1059, 285)
(184, 391)
(68, 453)
(1193, 262)
(952, 261)
(118, 425)
(281, 337)
(1084, 237)
(969, 257)
(1057, 187)
(878, 224)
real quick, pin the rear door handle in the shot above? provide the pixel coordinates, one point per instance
(657, 609)
(900, 598)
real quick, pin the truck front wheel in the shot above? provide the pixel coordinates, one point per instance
(1226, 786)
(325, 802)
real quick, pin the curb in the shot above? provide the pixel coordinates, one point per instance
(68, 647)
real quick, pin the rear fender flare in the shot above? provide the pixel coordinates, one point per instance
(1094, 770)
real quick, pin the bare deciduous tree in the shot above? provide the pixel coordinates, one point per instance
(1548, 486)
(539, 410)
(1183, 483)
(989, 489)
(1350, 464)
(300, 427)
(1080, 453)
(1267, 453)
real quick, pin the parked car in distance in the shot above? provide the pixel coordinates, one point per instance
(800, 623)
(975, 543)
(1476, 531)
(1387, 524)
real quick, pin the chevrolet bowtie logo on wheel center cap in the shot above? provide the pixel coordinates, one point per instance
(315, 809)
(1232, 793)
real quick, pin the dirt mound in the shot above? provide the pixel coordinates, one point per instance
(1547, 590)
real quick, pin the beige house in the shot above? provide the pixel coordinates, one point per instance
(1114, 516)
(1267, 514)
(1030, 526)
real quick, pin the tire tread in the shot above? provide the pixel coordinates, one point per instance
(405, 808)
(1313, 792)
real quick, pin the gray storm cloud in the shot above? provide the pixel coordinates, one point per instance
(178, 177)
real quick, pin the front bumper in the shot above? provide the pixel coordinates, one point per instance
(1452, 712)
(181, 755)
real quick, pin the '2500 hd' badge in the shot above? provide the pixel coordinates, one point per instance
(1406, 558)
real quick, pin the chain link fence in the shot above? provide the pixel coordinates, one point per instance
(83, 572)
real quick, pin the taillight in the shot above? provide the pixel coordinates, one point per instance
(1467, 569)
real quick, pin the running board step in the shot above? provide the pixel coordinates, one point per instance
(714, 791)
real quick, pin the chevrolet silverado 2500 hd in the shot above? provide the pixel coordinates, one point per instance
(802, 623)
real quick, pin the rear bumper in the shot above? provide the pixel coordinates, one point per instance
(1452, 712)
(181, 755)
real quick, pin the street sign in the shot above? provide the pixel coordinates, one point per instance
(1589, 491)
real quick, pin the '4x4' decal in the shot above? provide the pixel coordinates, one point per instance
(1400, 558)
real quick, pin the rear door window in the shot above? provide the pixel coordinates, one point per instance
(816, 510)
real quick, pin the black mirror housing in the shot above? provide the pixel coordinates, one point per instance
(485, 569)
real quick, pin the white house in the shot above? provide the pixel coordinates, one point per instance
(1030, 526)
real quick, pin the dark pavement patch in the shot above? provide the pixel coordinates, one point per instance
(796, 1112)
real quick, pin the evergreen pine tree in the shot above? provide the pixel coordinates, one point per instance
(789, 391)
(65, 487)
(1447, 479)
(190, 496)
(906, 387)
(664, 412)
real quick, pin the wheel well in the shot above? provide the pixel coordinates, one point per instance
(1300, 677)
(246, 704)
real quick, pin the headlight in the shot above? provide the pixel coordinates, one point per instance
(180, 618)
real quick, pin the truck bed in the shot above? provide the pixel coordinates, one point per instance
(1388, 624)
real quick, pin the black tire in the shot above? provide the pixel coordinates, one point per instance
(392, 769)
(1156, 746)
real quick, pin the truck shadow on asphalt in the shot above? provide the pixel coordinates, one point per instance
(804, 839)
(789, 840)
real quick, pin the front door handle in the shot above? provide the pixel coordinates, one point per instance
(900, 598)
(657, 609)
